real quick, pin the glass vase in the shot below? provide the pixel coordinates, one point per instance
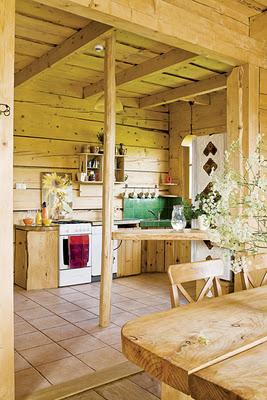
(178, 219)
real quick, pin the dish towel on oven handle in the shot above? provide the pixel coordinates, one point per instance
(78, 251)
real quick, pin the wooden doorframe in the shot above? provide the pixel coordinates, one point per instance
(7, 40)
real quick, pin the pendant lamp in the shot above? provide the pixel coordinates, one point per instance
(188, 139)
(100, 104)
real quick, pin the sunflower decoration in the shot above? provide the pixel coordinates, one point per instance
(58, 194)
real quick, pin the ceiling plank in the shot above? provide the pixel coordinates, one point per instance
(174, 25)
(156, 64)
(258, 26)
(77, 41)
(205, 86)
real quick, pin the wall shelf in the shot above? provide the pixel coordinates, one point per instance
(87, 158)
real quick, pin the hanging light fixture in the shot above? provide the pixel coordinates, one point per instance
(100, 104)
(188, 139)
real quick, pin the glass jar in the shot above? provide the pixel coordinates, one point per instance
(178, 219)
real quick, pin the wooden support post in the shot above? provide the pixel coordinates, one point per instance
(7, 38)
(243, 108)
(242, 116)
(108, 181)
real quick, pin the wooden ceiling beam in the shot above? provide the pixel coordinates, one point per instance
(258, 26)
(156, 64)
(75, 42)
(205, 86)
(174, 25)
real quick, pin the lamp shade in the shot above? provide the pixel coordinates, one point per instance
(188, 140)
(100, 104)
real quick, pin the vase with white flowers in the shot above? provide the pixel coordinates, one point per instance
(236, 205)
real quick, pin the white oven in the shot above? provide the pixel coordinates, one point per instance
(69, 272)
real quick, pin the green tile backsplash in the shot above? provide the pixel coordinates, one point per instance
(138, 208)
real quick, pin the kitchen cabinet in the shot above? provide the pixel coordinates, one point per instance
(158, 255)
(36, 257)
(129, 258)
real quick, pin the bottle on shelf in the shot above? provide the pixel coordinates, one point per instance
(38, 218)
(44, 212)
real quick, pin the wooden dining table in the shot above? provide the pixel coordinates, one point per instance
(212, 350)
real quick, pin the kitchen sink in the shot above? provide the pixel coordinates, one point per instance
(155, 223)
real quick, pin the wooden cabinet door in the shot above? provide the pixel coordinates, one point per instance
(42, 260)
(21, 259)
(129, 258)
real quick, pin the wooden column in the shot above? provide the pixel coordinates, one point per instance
(242, 117)
(108, 181)
(243, 108)
(7, 35)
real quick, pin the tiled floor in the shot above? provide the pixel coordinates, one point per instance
(57, 337)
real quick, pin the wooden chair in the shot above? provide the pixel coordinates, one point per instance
(254, 275)
(182, 273)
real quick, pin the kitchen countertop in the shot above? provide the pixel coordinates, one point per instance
(159, 234)
(118, 222)
(37, 228)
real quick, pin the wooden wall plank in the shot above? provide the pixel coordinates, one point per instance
(7, 36)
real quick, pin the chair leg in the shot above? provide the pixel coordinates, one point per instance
(168, 393)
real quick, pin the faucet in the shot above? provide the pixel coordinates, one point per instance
(154, 214)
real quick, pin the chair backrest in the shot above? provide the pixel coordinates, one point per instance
(182, 273)
(255, 263)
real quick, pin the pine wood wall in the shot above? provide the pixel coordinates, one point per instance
(263, 108)
(50, 130)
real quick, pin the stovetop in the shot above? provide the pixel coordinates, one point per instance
(69, 221)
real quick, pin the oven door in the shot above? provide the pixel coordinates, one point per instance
(64, 252)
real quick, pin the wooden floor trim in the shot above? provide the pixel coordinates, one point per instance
(86, 382)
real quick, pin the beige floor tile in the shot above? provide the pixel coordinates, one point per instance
(114, 310)
(30, 340)
(135, 294)
(145, 311)
(109, 335)
(17, 319)
(21, 328)
(82, 344)
(64, 370)
(34, 313)
(117, 346)
(122, 318)
(24, 304)
(74, 296)
(92, 325)
(62, 308)
(152, 300)
(87, 303)
(51, 301)
(28, 381)
(62, 291)
(63, 332)
(129, 305)
(48, 322)
(77, 316)
(90, 291)
(102, 358)
(44, 354)
(117, 298)
(20, 363)
(165, 306)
